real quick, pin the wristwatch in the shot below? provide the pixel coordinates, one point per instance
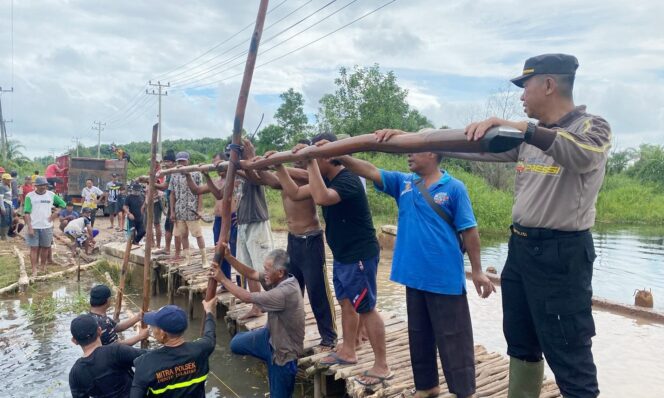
(530, 130)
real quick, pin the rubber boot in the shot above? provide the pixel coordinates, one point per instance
(204, 260)
(525, 378)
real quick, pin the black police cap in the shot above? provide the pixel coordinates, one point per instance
(547, 64)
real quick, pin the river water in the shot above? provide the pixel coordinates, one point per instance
(35, 356)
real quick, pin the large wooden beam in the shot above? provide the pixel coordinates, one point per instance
(498, 139)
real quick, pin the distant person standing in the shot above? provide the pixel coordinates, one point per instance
(134, 209)
(39, 221)
(26, 188)
(112, 190)
(34, 176)
(15, 194)
(6, 208)
(122, 199)
(185, 209)
(91, 196)
(167, 163)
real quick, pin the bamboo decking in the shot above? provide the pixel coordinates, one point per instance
(189, 277)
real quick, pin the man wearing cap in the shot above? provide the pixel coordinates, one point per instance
(39, 221)
(134, 208)
(102, 371)
(100, 301)
(112, 190)
(91, 197)
(80, 232)
(66, 215)
(185, 209)
(179, 368)
(6, 206)
(281, 341)
(547, 279)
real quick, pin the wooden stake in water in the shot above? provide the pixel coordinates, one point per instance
(147, 263)
(237, 135)
(123, 275)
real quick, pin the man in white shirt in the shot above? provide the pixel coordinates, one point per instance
(39, 221)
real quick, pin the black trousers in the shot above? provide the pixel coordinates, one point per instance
(139, 224)
(307, 264)
(547, 290)
(441, 321)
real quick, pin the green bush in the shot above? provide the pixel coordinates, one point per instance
(627, 200)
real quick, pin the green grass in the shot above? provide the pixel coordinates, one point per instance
(9, 271)
(626, 200)
(45, 308)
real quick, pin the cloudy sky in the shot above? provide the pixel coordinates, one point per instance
(75, 62)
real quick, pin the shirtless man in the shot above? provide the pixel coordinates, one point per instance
(306, 249)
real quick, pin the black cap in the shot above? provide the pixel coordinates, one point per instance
(547, 64)
(169, 318)
(83, 328)
(114, 174)
(99, 295)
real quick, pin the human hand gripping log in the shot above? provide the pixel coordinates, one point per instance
(495, 139)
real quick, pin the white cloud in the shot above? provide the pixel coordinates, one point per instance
(76, 62)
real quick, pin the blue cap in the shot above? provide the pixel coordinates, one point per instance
(169, 318)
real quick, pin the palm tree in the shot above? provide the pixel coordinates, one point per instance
(14, 152)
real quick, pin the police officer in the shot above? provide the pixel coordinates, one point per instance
(547, 279)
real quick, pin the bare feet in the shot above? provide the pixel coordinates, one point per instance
(253, 313)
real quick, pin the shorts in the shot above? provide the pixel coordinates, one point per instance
(113, 207)
(42, 237)
(357, 283)
(254, 243)
(193, 226)
(78, 237)
(156, 220)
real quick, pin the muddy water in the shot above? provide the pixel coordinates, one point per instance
(35, 356)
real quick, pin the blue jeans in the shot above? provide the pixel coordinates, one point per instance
(257, 344)
(216, 231)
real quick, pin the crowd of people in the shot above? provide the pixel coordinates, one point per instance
(546, 282)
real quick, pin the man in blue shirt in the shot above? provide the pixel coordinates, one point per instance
(429, 262)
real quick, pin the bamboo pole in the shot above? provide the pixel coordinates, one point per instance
(237, 133)
(498, 139)
(147, 260)
(123, 275)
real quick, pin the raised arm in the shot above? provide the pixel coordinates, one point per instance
(362, 168)
(289, 186)
(322, 195)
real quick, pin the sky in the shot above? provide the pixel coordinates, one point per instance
(76, 62)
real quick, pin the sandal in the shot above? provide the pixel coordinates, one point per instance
(378, 379)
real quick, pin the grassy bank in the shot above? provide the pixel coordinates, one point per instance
(9, 272)
(626, 200)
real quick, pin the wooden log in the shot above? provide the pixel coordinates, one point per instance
(123, 275)
(147, 260)
(235, 141)
(23, 279)
(63, 272)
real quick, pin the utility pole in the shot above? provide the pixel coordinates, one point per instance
(159, 93)
(77, 140)
(99, 130)
(3, 128)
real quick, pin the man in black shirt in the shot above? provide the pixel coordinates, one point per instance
(179, 368)
(352, 238)
(134, 208)
(103, 371)
(100, 300)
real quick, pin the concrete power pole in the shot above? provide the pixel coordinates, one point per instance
(77, 140)
(159, 93)
(99, 130)
(3, 128)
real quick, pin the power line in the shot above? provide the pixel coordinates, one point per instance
(136, 114)
(128, 105)
(199, 76)
(180, 88)
(218, 44)
(140, 105)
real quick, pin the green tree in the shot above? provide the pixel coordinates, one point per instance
(620, 160)
(290, 115)
(365, 100)
(271, 137)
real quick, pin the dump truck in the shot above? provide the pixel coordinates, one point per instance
(75, 171)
